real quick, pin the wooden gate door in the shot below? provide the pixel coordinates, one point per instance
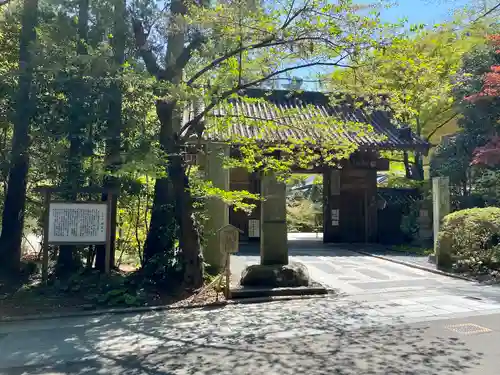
(352, 216)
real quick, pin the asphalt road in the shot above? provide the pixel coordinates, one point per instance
(386, 319)
(316, 336)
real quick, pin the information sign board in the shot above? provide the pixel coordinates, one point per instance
(74, 223)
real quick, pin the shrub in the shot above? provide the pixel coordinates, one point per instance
(304, 216)
(469, 241)
(400, 182)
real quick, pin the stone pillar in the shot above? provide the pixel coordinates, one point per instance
(273, 234)
(217, 210)
(440, 204)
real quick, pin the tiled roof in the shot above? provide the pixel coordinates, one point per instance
(292, 112)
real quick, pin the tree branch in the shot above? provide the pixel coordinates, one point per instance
(268, 42)
(145, 51)
(184, 57)
(228, 93)
(289, 14)
(150, 59)
(429, 136)
(487, 13)
(291, 17)
(228, 55)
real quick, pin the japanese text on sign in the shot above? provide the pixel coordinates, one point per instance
(77, 223)
(253, 228)
(229, 239)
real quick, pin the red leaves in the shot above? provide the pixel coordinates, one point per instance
(491, 86)
(494, 39)
(491, 83)
(489, 154)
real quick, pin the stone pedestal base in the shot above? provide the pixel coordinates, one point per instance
(275, 276)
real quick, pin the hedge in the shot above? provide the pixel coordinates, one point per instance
(469, 241)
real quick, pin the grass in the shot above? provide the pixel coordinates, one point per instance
(90, 290)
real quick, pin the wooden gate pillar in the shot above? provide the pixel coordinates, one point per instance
(331, 205)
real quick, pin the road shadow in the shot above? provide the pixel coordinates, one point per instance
(308, 337)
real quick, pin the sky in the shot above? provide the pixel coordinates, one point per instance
(428, 12)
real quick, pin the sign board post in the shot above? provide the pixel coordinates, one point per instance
(108, 234)
(76, 223)
(440, 205)
(229, 241)
(45, 249)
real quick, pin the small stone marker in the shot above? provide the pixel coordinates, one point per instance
(229, 242)
(229, 239)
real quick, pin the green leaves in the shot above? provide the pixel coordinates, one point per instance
(414, 73)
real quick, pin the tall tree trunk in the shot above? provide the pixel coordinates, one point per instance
(161, 235)
(68, 261)
(113, 141)
(189, 238)
(13, 213)
(173, 195)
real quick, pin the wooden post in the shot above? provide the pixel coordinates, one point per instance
(45, 245)
(367, 223)
(107, 260)
(227, 291)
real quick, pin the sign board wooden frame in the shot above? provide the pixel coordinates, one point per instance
(47, 192)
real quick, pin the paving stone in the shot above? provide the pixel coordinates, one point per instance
(373, 274)
(429, 300)
(419, 314)
(483, 306)
(400, 271)
(347, 278)
(394, 284)
(328, 268)
(402, 292)
(438, 311)
(405, 302)
(453, 308)
(414, 289)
